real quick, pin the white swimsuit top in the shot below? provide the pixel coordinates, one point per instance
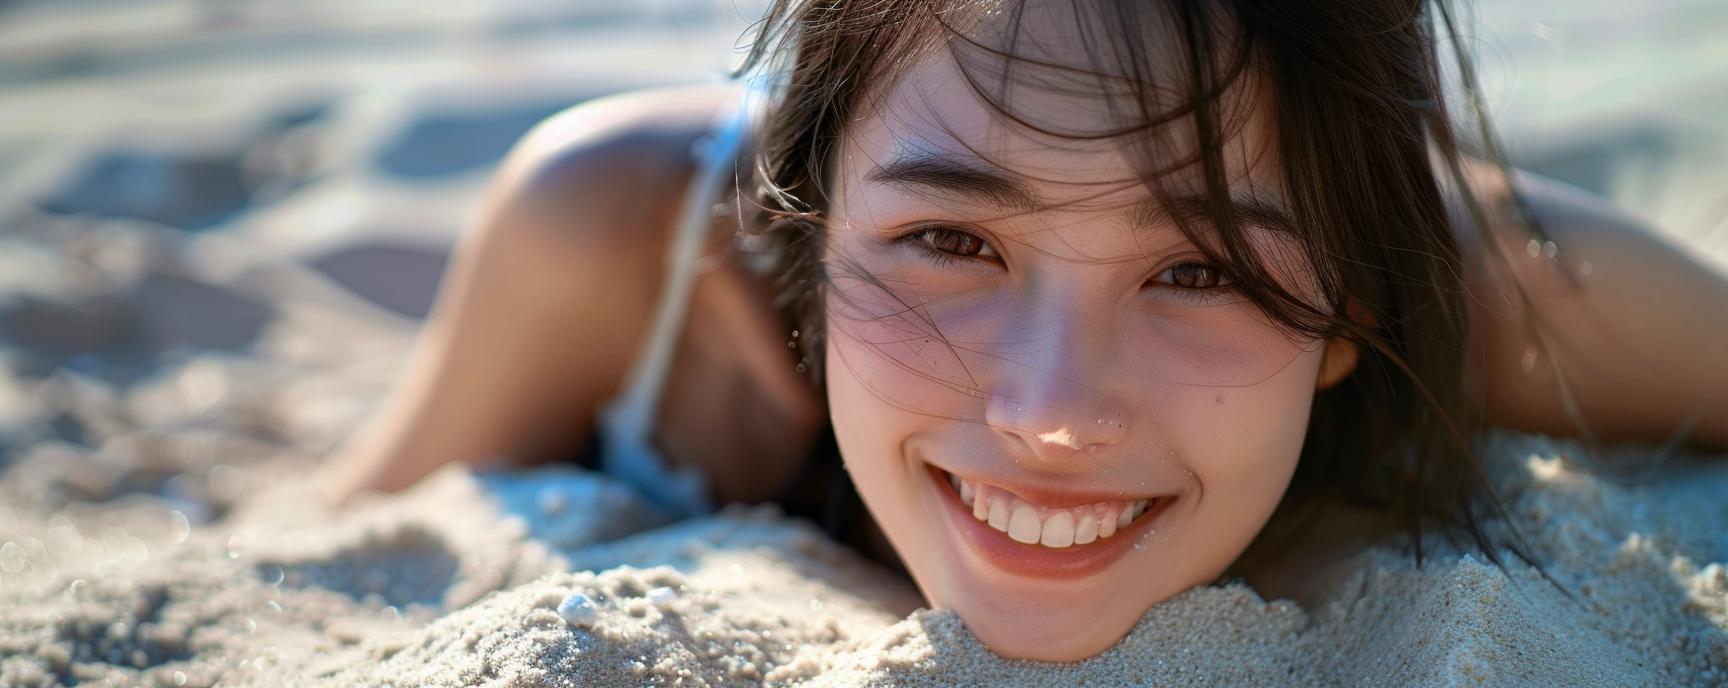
(626, 424)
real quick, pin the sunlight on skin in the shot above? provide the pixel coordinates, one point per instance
(1057, 369)
(1060, 437)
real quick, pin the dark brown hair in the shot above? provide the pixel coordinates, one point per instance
(1361, 120)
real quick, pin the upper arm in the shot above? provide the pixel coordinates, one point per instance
(572, 231)
(1620, 329)
(581, 207)
(551, 289)
(603, 173)
(547, 296)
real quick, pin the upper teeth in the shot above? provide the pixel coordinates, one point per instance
(1032, 524)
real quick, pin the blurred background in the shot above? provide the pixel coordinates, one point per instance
(221, 221)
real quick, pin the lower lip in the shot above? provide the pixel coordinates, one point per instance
(1036, 561)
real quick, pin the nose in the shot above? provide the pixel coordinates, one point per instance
(1057, 397)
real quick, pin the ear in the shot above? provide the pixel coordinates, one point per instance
(1341, 354)
(1337, 363)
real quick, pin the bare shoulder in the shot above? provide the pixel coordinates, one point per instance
(1562, 210)
(1598, 319)
(609, 168)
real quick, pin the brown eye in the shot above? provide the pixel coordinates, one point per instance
(1194, 276)
(955, 242)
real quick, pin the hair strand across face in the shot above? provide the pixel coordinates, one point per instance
(1357, 98)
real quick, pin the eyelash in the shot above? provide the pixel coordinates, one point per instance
(1218, 294)
(1222, 279)
(922, 241)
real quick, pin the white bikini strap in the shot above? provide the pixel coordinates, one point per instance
(628, 452)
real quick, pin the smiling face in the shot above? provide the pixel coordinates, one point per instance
(1058, 411)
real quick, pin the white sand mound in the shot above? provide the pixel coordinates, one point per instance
(459, 582)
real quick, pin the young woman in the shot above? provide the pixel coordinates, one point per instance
(1088, 290)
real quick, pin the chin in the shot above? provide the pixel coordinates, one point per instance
(1051, 600)
(1042, 630)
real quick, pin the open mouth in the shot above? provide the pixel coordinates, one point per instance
(1034, 524)
(1065, 538)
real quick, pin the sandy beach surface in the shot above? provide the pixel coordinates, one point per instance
(221, 224)
(554, 577)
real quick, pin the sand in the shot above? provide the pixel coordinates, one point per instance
(458, 582)
(204, 288)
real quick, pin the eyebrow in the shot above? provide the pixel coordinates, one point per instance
(947, 176)
(1255, 210)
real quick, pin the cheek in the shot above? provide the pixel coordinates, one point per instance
(899, 349)
(879, 392)
(1241, 446)
(870, 431)
(1249, 428)
(853, 372)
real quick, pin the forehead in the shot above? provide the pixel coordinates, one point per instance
(1044, 117)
